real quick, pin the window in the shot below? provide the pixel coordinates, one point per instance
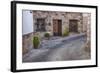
(40, 25)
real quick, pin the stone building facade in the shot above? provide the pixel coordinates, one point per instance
(51, 21)
(56, 22)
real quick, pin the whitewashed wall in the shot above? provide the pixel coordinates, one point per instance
(27, 22)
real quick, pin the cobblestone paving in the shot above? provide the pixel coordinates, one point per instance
(59, 49)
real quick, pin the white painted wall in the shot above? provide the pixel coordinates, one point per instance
(27, 22)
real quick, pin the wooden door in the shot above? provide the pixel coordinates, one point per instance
(57, 27)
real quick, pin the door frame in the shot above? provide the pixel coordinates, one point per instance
(57, 31)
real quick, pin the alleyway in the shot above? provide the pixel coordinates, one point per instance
(62, 50)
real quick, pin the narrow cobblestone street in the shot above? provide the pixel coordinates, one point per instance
(61, 49)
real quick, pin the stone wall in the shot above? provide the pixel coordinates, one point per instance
(87, 25)
(64, 16)
(27, 42)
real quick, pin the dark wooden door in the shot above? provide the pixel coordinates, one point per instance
(57, 27)
(73, 25)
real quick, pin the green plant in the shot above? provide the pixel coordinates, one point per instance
(66, 32)
(47, 35)
(36, 42)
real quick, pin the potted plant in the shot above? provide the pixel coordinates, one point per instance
(36, 42)
(47, 35)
